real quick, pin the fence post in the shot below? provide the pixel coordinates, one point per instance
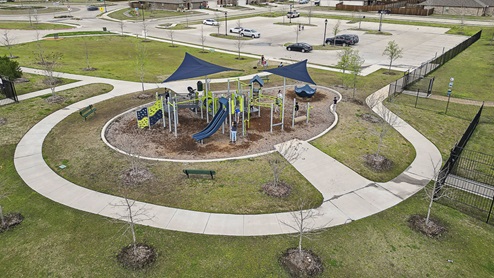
(417, 98)
(490, 210)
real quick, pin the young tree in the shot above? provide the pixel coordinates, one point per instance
(306, 263)
(355, 66)
(239, 43)
(336, 30)
(170, 34)
(141, 55)
(389, 119)
(203, 38)
(8, 42)
(136, 255)
(345, 56)
(393, 51)
(291, 151)
(437, 191)
(86, 51)
(121, 23)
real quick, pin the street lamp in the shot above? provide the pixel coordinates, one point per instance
(104, 3)
(291, 15)
(142, 8)
(325, 27)
(380, 19)
(226, 24)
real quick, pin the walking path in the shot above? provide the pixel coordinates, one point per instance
(347, 195)
(453, 100)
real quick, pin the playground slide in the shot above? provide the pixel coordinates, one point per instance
(215, 124)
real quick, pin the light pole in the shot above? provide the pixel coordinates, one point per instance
(142, 8)
(226, 24)
(325, 27)
(104, 2)
(380, 19)
(291, 15)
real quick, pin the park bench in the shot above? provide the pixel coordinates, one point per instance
(87, 111)
(199, 172)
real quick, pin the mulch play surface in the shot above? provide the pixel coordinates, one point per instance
(159, 142)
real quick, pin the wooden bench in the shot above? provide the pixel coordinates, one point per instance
(199, 172)
(265, 78)
(87, 111)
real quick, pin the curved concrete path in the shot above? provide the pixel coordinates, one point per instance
(347, 195)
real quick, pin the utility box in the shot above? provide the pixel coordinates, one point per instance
(199, 86)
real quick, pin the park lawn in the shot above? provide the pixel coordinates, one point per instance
(23, 115)
(354, 137)
(59, 241)
(163, 59)
(19, 25)
(470, 70)
(15, 9)
(129, 14)
(36, 83)
(235, 189)
(444, 130)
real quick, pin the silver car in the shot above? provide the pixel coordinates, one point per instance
(236, 29)
(250, 33)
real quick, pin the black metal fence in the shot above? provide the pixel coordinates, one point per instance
(458, 148)
(467, 177)
(7, 89)
(409, 77)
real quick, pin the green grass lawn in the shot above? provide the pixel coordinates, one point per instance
(235, 189)
(57, 241)
(16, 25)
(129, 14)
(470, 81)
(163, 59)
(36, 82)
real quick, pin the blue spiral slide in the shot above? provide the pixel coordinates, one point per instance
(215, 124)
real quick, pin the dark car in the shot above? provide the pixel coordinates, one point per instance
(300, 46)
(352, 37)
(341, 40)
(92, 8)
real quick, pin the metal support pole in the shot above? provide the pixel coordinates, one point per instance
(293, 113)
(417, 97)
(283, 104)
(271, 123)
(226, 24)
(490, 210)
(290, 18)
(325, 27)
(380, 21)
(169, 116)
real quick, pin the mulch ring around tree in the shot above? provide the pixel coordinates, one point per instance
(11, 220)
(137, 257)
(280, 190)
(435, 229)
(305, 264)
(378, 162)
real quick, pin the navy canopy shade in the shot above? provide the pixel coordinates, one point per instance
(194, 67)
(297, 71)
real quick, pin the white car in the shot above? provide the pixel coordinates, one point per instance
(250, 33)
(236, 30)
(210, 22)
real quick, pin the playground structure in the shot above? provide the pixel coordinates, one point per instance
(305, 91)
(239, 103)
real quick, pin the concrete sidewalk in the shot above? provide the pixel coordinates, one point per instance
(347, 196)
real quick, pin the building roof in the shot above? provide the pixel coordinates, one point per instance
(459, 3)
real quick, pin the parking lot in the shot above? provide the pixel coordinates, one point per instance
(419, 43)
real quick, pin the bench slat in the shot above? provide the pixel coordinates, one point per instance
(199, 172)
